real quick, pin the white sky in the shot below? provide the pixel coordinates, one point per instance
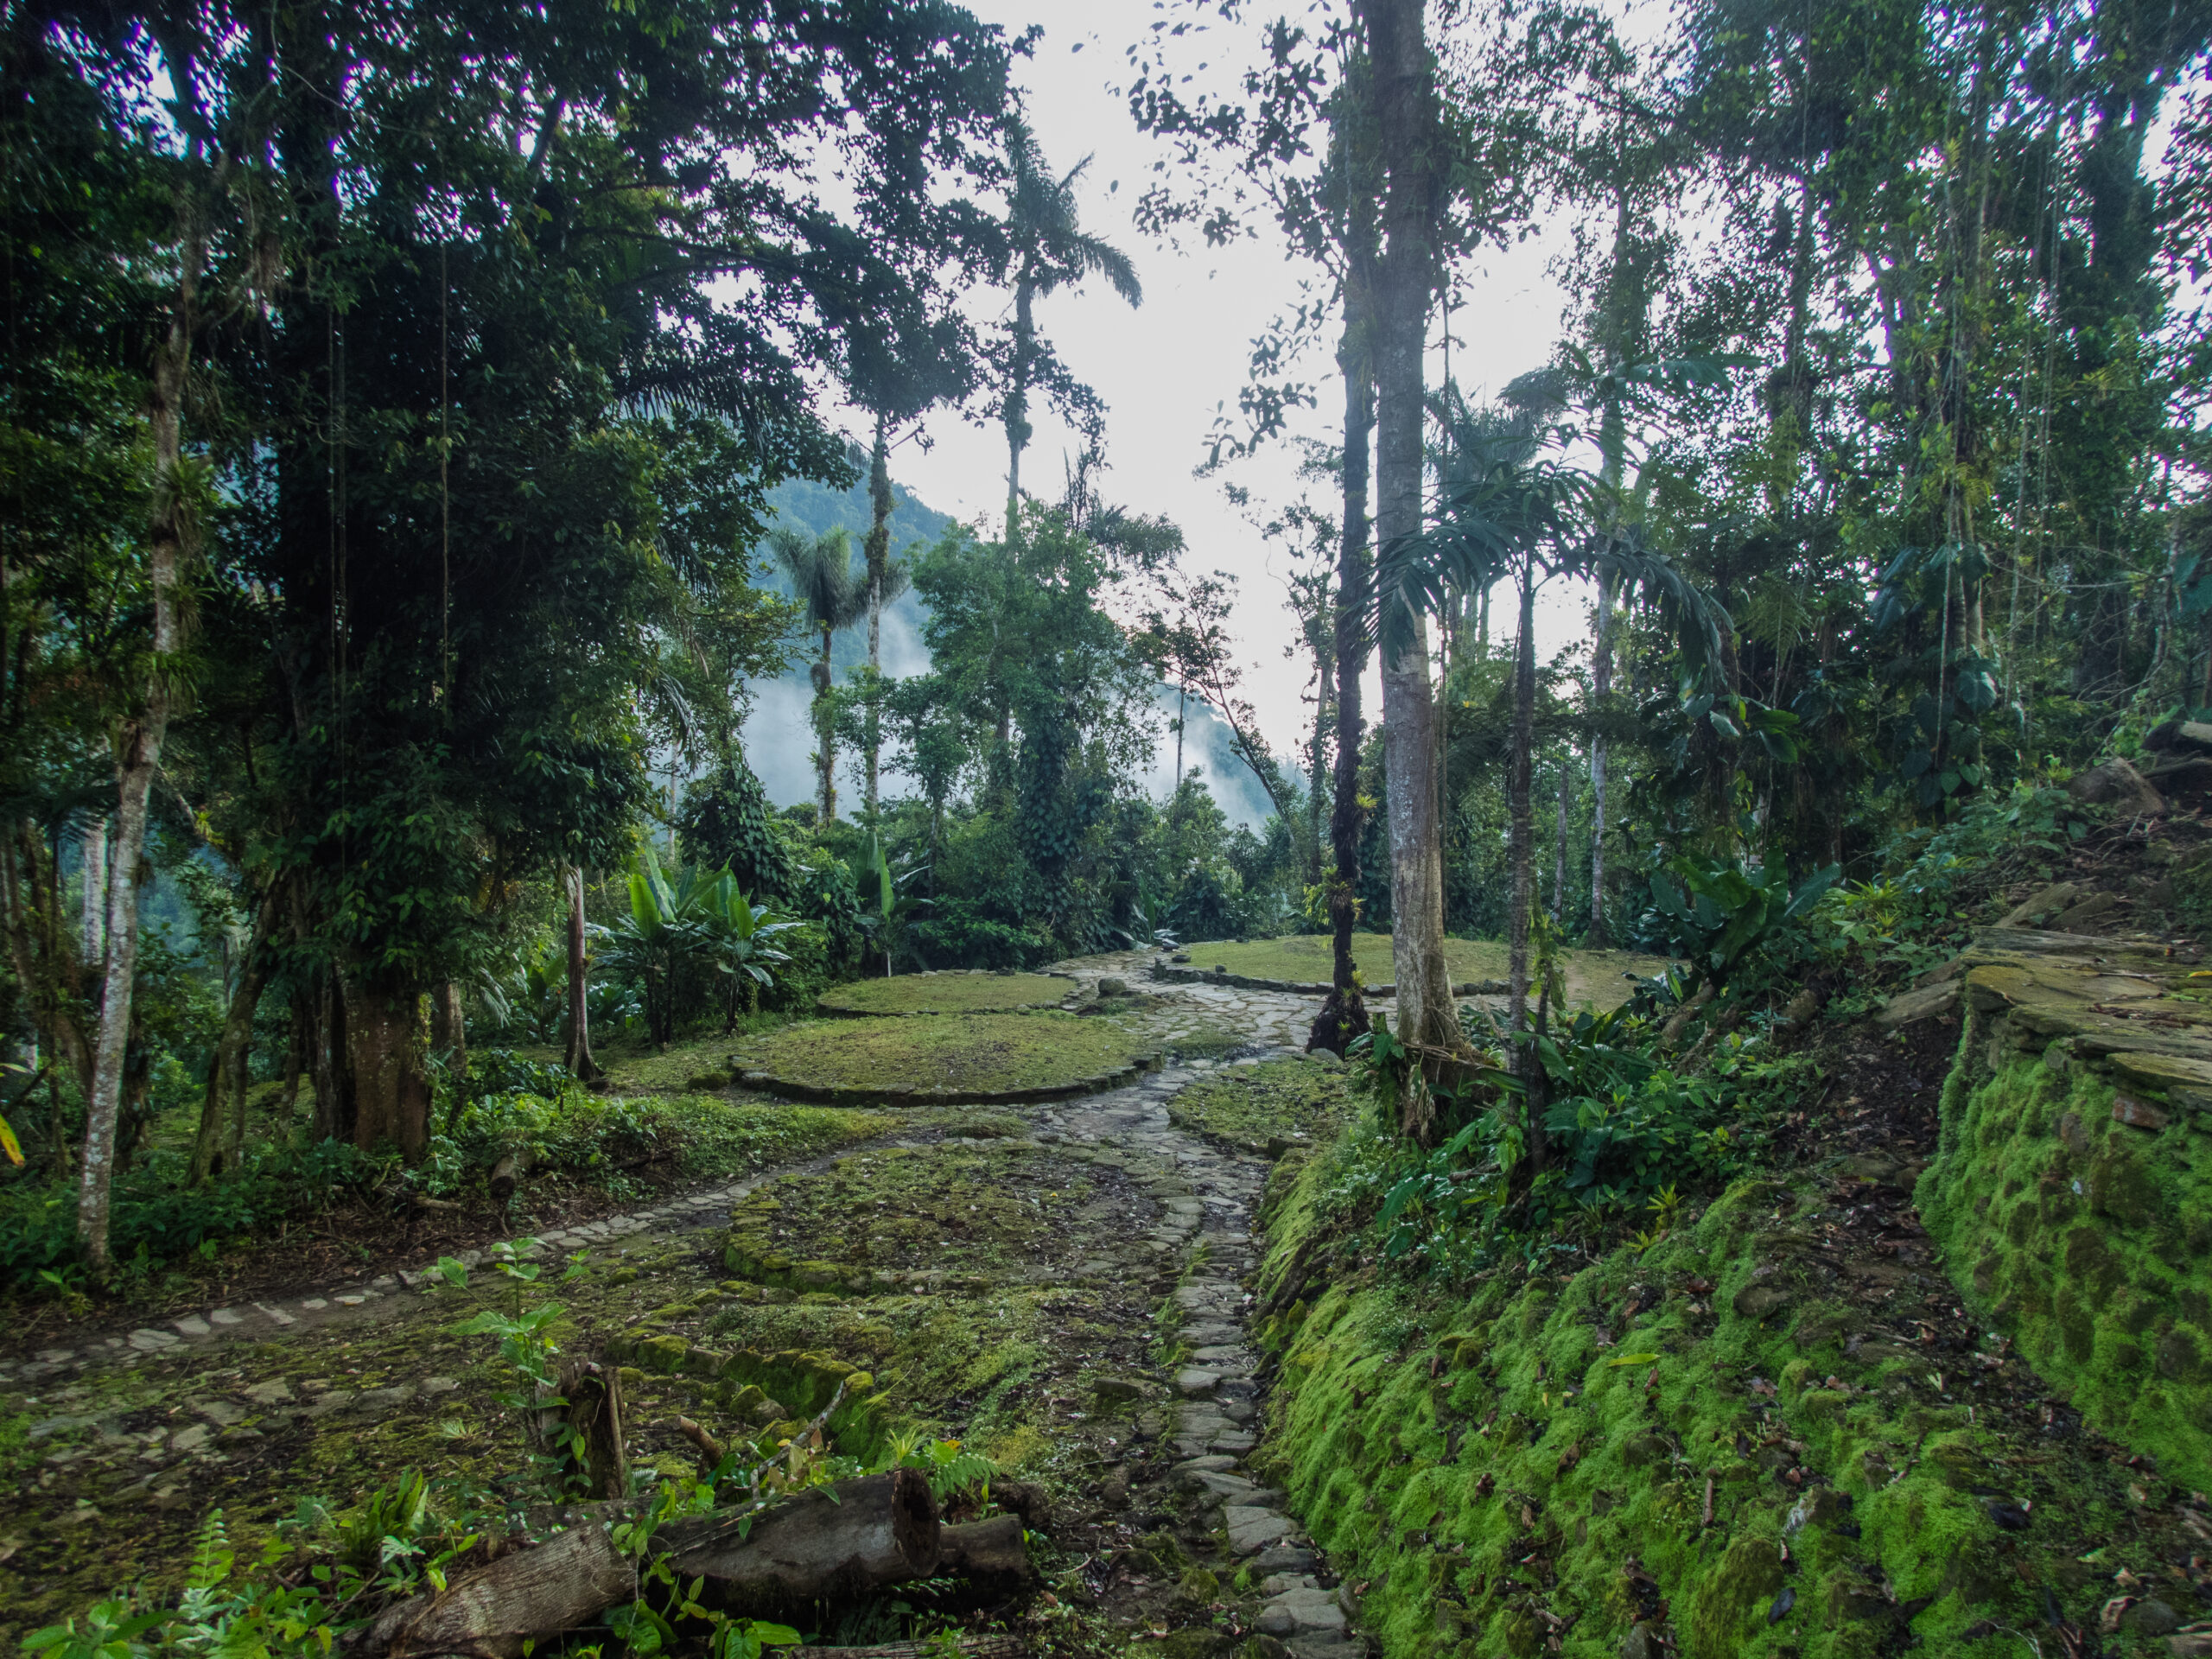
(1166, 368)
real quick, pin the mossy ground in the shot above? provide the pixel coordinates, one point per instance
(1526, 1468)
(948, 994)
(1050, 1283)
(972, 1053)
(1596, 977)
(1254, 1107)
(2088, 1240)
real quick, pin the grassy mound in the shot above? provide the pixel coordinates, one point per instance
(1254, 1106)
(1596, 977)
(947, 994)
(1775, 1431)
(939, 1056)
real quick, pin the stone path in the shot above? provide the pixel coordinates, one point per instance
(1216, 1423)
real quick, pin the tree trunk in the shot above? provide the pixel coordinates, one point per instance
(878, 550)
(1559, 868)
(499, 1610)
(825, 729)
(1343, 1014)
(834, 1542)
(138, 756)
(94, 882)
(328, 1058)
(578, 1059)
(450, 1029)
(1406, 131)
(991, 1552)
(388, 1042)
(1601, 686)
(1017, 401)
(1521, 853)
(218, 1144)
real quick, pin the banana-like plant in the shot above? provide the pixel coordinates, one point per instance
(886, 906)
(704, 923)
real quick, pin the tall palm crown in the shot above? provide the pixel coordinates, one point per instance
(1051, 250)
(824, 580)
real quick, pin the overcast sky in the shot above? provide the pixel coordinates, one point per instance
(1166, 368)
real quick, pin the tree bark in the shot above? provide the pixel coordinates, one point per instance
(449, 1028)
(877, 548)
(1343, 1014)
(94, 882)
(826, 731)
(1017, 400)
(830, 1542)
(221, 1144)
(496, 1611)
(1521, 853)
(578, 1059)
(388, 1042)
(1406, 132)
(138, 748)
(992, 1552)
(1601, 686)
(1559, 868)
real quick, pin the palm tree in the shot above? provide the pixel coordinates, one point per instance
(824, 582)
(1050, 250)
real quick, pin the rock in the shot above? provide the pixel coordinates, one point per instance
(2126, 1109)
(190, 1440)
(1297, 1611)
(2037, 909)
(1251, 1529)
(2118, 784)
(1285, 1558)
(1929, 1002)
(1761, 1300)
(1119, 1388)
(2152, 1617)
(221, 1413)
(2083, 916)
(269, 1394)
(1195, 1381)
(1644, 1642)
(1113, 988)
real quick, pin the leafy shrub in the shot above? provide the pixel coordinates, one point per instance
(956, 935)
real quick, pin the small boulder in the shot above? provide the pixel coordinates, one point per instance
(1929, 1002)
(1113, 988)
(2118, 784)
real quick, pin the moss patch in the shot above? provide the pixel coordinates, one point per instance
(719, 1137)
(973, 1056)
(948, 994)
(1260, 1107)
(1765, 1430)
(1597, 978)
(2089, 1241)
(908, 1215)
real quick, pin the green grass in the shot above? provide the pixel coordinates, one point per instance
(719, 1137)
(947, 994)
(1595, 977)
(969, 1052)
(1253, 1104)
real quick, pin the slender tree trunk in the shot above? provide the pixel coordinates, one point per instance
(1343, 1014)
(138, 754)
(221, 1141)
(93, 876)
(1522, 852)
(878, 550)
(1406, 132)
(1318, 766)
(578, 1059)
(328, 1061)
(1558, 867)
(1182, 714)
(1017, 400)
(449, 1028)
(825, 728)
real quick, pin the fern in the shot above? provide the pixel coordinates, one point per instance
(951, 1470)
(212, 1555)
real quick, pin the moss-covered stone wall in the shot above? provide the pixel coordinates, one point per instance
(2076, 1214)
(1771, 1432)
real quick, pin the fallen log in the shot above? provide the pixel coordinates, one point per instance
(990, 1553)
(996, 1645)
(496, 1611)
(831, 1542)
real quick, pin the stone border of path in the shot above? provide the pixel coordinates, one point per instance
(251, 1318)
(829, 1010)
(1166, 971)
(839, 1094)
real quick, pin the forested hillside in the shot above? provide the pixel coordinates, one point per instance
(615, 1039)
